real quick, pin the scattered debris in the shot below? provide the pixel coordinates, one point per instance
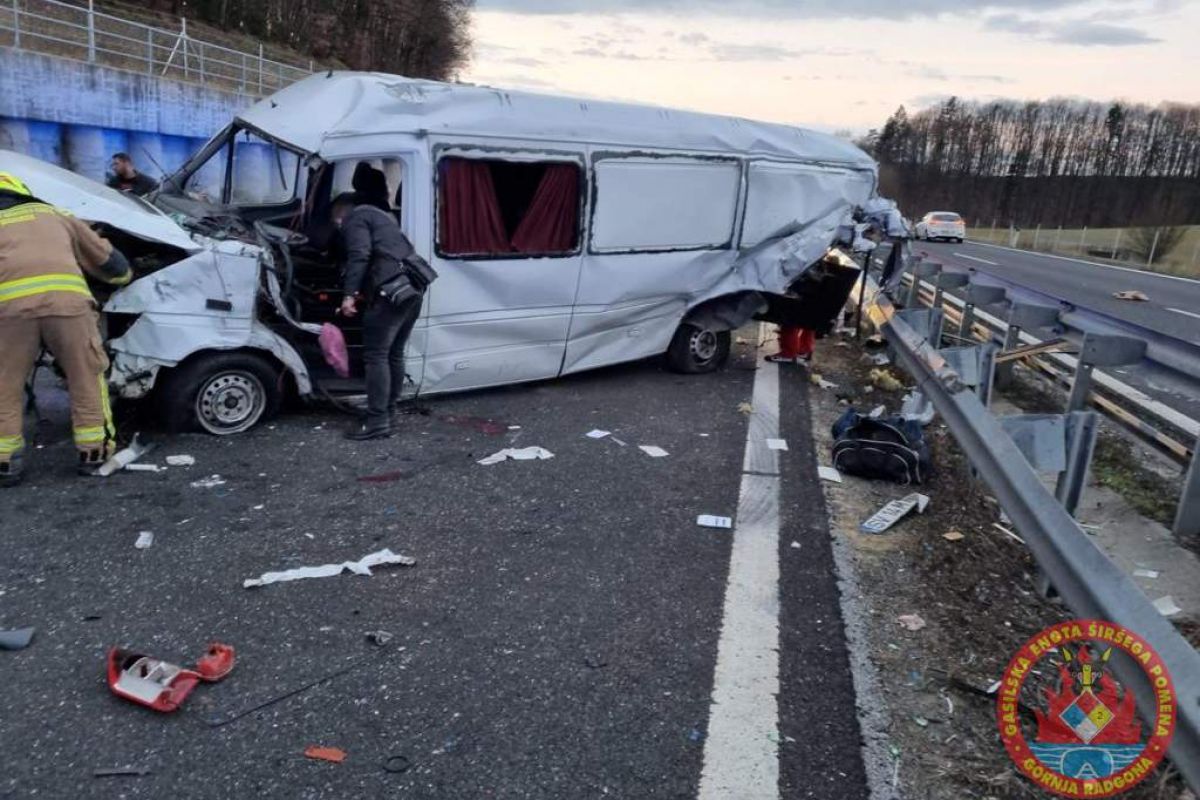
(208, 483)
(953, 536)
(387, 477)
(17, 639)
(162, 686)
(877, 412)
(1167, 606)
(379, 638)
(995, 687)
(597, 434)
(1152, 574)
(594, 662)
(1008, 533)
(777, 444)
(911, 622)
(652, 451)
(917, 408)
(524, 454)
(878, 359)
(144, 468)
(181, 461)
(124, 458)
(121, 772)
(817, 380)
(882, 379)
(397, 764)
(795, 545)
(334, 755)
(895, 511)
(1133, 295)
(363, 566)
(144, 540)
(709, 521)
(695, 735)
(618, 441)
(829, 474)
(745, 408)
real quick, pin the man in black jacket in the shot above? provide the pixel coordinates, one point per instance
(375, 249)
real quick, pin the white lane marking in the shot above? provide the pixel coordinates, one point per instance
(980, 260)
(1185, 313)
(741, 753)
(1144, 272)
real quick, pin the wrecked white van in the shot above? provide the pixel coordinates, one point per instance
(568, 235)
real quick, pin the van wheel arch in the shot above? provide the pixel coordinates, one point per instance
(221, 392)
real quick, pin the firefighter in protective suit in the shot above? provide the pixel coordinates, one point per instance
(44, 300)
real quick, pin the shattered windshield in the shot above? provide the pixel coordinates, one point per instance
(244, 170)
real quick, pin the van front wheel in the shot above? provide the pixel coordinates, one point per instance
(695, 349)
(220, 393)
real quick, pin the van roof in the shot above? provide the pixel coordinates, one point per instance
(315, 112)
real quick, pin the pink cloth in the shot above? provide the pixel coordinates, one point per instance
(333, 347)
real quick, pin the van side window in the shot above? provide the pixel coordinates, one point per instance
(646, 203)
(489, 208)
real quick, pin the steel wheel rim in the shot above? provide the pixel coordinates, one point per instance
(704, 345)
(230, 402)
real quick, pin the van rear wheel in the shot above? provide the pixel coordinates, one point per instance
(220, 393)
(695, 349)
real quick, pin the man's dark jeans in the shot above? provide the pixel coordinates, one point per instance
(385, 333)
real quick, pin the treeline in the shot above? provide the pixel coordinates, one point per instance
(1057, 162)
(415, 38)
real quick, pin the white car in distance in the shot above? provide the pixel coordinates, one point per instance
(942, 225)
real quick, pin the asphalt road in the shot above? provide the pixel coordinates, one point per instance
(1173, 307)
(556, 638)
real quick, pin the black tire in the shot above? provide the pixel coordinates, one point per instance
(220, 393)
(696, 350)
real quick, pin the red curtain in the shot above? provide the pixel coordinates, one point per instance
(471, 223)
(550, 223)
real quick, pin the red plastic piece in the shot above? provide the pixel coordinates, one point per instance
(161, 685)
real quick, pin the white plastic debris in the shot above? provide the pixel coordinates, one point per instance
(895, 511)
(209, 482)
(181, 461)
(124, 458)
(709, 521)
(1167, 606)
(523, 454)
(144, 468)
(777, 444)
(829, 474)
(652, 451)
(877, 412)
(597, 434)
(911, 622)
(363, 566)
(824, 384)
(144, 540)
(1152, 574)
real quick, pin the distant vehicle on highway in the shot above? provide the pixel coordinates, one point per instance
(942, 225)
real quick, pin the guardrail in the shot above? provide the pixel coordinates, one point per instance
(1090, 584)
(84, 34)
(1167, 430)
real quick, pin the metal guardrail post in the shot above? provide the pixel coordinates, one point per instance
(948, 280)
(922, 269)
(1101, 351)
(149, 51)
(978, 295)
(16, 12)
(1082, 429)
(1187, 517)
(91, 31)
(1090, 584)
(1022, 317)
(260, 69)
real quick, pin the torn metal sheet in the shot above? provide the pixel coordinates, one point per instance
(17, 639)
(382, 558)
(522, 454)
(895, 511)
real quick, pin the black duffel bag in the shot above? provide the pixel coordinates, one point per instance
(413, 278)
(884, 448)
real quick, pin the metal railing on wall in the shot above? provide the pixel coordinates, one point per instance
(81, 33)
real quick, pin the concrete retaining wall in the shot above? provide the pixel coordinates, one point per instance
(77, 115)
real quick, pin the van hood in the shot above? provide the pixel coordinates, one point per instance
(94, 202)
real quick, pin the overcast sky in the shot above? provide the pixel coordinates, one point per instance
(838, 63)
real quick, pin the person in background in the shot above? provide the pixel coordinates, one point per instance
(45, 301)
(126, 178)
(374, 251)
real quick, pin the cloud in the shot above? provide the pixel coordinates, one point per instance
(753, 52)
(794, 9)
(1084, 33)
